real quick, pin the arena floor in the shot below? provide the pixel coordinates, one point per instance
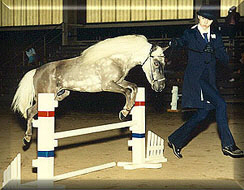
(203, 165)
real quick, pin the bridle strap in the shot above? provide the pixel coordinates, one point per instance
(150, 54)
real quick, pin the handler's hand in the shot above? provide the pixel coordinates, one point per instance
(173, 43)
(208, 48)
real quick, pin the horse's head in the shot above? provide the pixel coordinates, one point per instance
(154, 68)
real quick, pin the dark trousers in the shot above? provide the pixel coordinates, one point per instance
(181, 136)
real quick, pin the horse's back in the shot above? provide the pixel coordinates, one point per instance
(121, 45)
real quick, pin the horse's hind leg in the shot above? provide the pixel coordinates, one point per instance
(31, 112)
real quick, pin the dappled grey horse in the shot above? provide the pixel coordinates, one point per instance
(101, 67)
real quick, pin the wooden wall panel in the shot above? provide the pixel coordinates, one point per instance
(32, 12)
(241, 8)
(19, 12)
(57, 8)
(93, 11)
(153, 10)
(108, 10)
(7, 13)
(223, 8)
(169, 9)
(181, 8)
(45, 11)
(190, 8)
(185, 9)
(123, 10)
(138, 10)
(225, 5)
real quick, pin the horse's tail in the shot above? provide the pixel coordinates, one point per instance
(24, 96)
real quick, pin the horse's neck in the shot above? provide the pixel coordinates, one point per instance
(142, 56)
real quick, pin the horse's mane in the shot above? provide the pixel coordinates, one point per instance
(119, 45)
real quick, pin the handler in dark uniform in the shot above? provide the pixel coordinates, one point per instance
(199, 87)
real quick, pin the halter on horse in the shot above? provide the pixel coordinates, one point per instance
(101, 67)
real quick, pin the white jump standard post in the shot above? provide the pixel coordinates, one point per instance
(45, 142)
(138, 136)
(174, 99)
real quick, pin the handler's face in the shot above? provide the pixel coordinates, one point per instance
(204, 22)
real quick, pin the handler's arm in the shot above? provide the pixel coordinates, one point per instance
(180, 42)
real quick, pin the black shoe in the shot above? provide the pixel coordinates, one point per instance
(233, 151)
(176, 151)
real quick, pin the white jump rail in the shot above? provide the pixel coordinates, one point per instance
(78, 132)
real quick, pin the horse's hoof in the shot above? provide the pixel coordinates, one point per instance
(124, 115)
(26, 144)
(121, 116)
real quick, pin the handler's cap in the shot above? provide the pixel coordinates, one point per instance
(207, 12)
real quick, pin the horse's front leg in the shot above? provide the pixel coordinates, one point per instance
(114, 87)
(31, 112)
(133, 88)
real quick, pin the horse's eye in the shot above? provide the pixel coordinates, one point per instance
(156, 63)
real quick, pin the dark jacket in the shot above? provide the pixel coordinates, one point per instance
(199, 61)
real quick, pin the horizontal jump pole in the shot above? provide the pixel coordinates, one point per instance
(84, 171)
(88, 130)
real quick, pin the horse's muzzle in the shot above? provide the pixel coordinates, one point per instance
(158, 85)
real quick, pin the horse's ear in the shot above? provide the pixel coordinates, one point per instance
(166, 49)
(154, 47)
